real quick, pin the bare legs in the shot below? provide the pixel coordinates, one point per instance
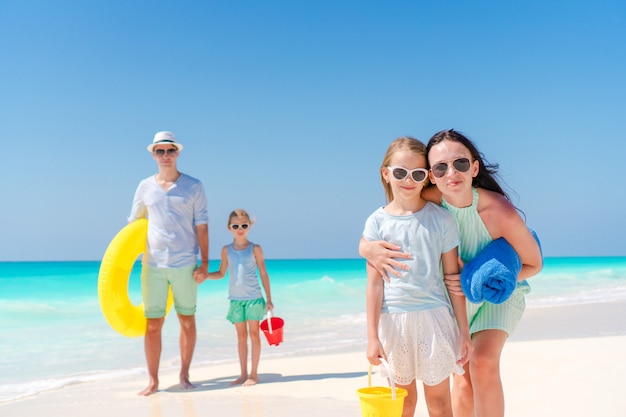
(152, 346)
(244, 328)
(437, 397)
(479, 393)
(410, 401)
(187, 345)
(255, 344)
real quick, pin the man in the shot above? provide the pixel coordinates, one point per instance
(176, 208)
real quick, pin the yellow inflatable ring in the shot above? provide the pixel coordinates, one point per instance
(113, 278)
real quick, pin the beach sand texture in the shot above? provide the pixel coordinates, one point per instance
(562, 361)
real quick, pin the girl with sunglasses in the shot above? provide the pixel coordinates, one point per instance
(466, 187)
(414, 322)
(242, 259)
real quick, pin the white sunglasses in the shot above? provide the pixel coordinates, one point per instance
(400, 173)
(243, 226)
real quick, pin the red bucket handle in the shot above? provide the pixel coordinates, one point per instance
(269, 321)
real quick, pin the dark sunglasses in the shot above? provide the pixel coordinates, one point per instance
(400, 173)
(161, 152)
(237, 226)
(441, 169)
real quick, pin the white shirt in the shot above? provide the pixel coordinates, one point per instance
(172, 219)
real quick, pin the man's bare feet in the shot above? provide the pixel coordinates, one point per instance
(186, 384)
(150, 389)
(239, 380)
(250, 382)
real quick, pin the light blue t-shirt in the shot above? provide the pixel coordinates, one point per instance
(172, 219)
(243, 282)
(426, 235)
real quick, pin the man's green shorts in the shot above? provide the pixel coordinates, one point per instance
(155, 283)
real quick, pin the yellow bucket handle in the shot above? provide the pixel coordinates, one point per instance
(389, 374)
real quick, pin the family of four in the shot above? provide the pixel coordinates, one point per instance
(444, 206)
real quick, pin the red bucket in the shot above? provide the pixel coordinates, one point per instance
(273, 329)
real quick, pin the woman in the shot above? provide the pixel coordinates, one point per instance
(466, 187)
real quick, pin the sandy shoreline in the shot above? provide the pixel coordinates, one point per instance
(561, 361)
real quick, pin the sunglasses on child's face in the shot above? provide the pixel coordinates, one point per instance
(237, 226)
(161, 152)
(400, 173)
(441, 169)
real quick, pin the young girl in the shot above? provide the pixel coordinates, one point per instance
(413, 322)
(467, 188)
(242, 258)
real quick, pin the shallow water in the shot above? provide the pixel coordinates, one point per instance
(52, 332)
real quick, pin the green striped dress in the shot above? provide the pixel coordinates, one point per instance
(474, 237)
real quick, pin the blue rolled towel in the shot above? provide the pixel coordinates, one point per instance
(492, 274)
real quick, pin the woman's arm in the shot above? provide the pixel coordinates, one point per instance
(380, 256)
(451, 267)
(265, 278)
(431, 193)
(503, 220)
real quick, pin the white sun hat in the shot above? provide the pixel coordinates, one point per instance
(164, 138)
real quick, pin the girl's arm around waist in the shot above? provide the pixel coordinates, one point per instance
(451, 266)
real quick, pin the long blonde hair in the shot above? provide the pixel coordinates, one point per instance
(403, 143)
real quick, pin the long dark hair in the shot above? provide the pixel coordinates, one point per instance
(487, 172)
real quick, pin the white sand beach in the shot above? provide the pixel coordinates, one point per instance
(561, 361)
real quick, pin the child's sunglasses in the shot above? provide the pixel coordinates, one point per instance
(243, 226)
(400, 173)
(441, 169)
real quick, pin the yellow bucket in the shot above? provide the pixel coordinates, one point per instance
(381, 401)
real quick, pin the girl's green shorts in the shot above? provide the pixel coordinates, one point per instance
(244, 310)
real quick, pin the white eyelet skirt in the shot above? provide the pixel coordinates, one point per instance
(421, 345)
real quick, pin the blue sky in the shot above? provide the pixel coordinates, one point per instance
(285, 108)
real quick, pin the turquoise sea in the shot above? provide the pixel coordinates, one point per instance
(52, 332)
